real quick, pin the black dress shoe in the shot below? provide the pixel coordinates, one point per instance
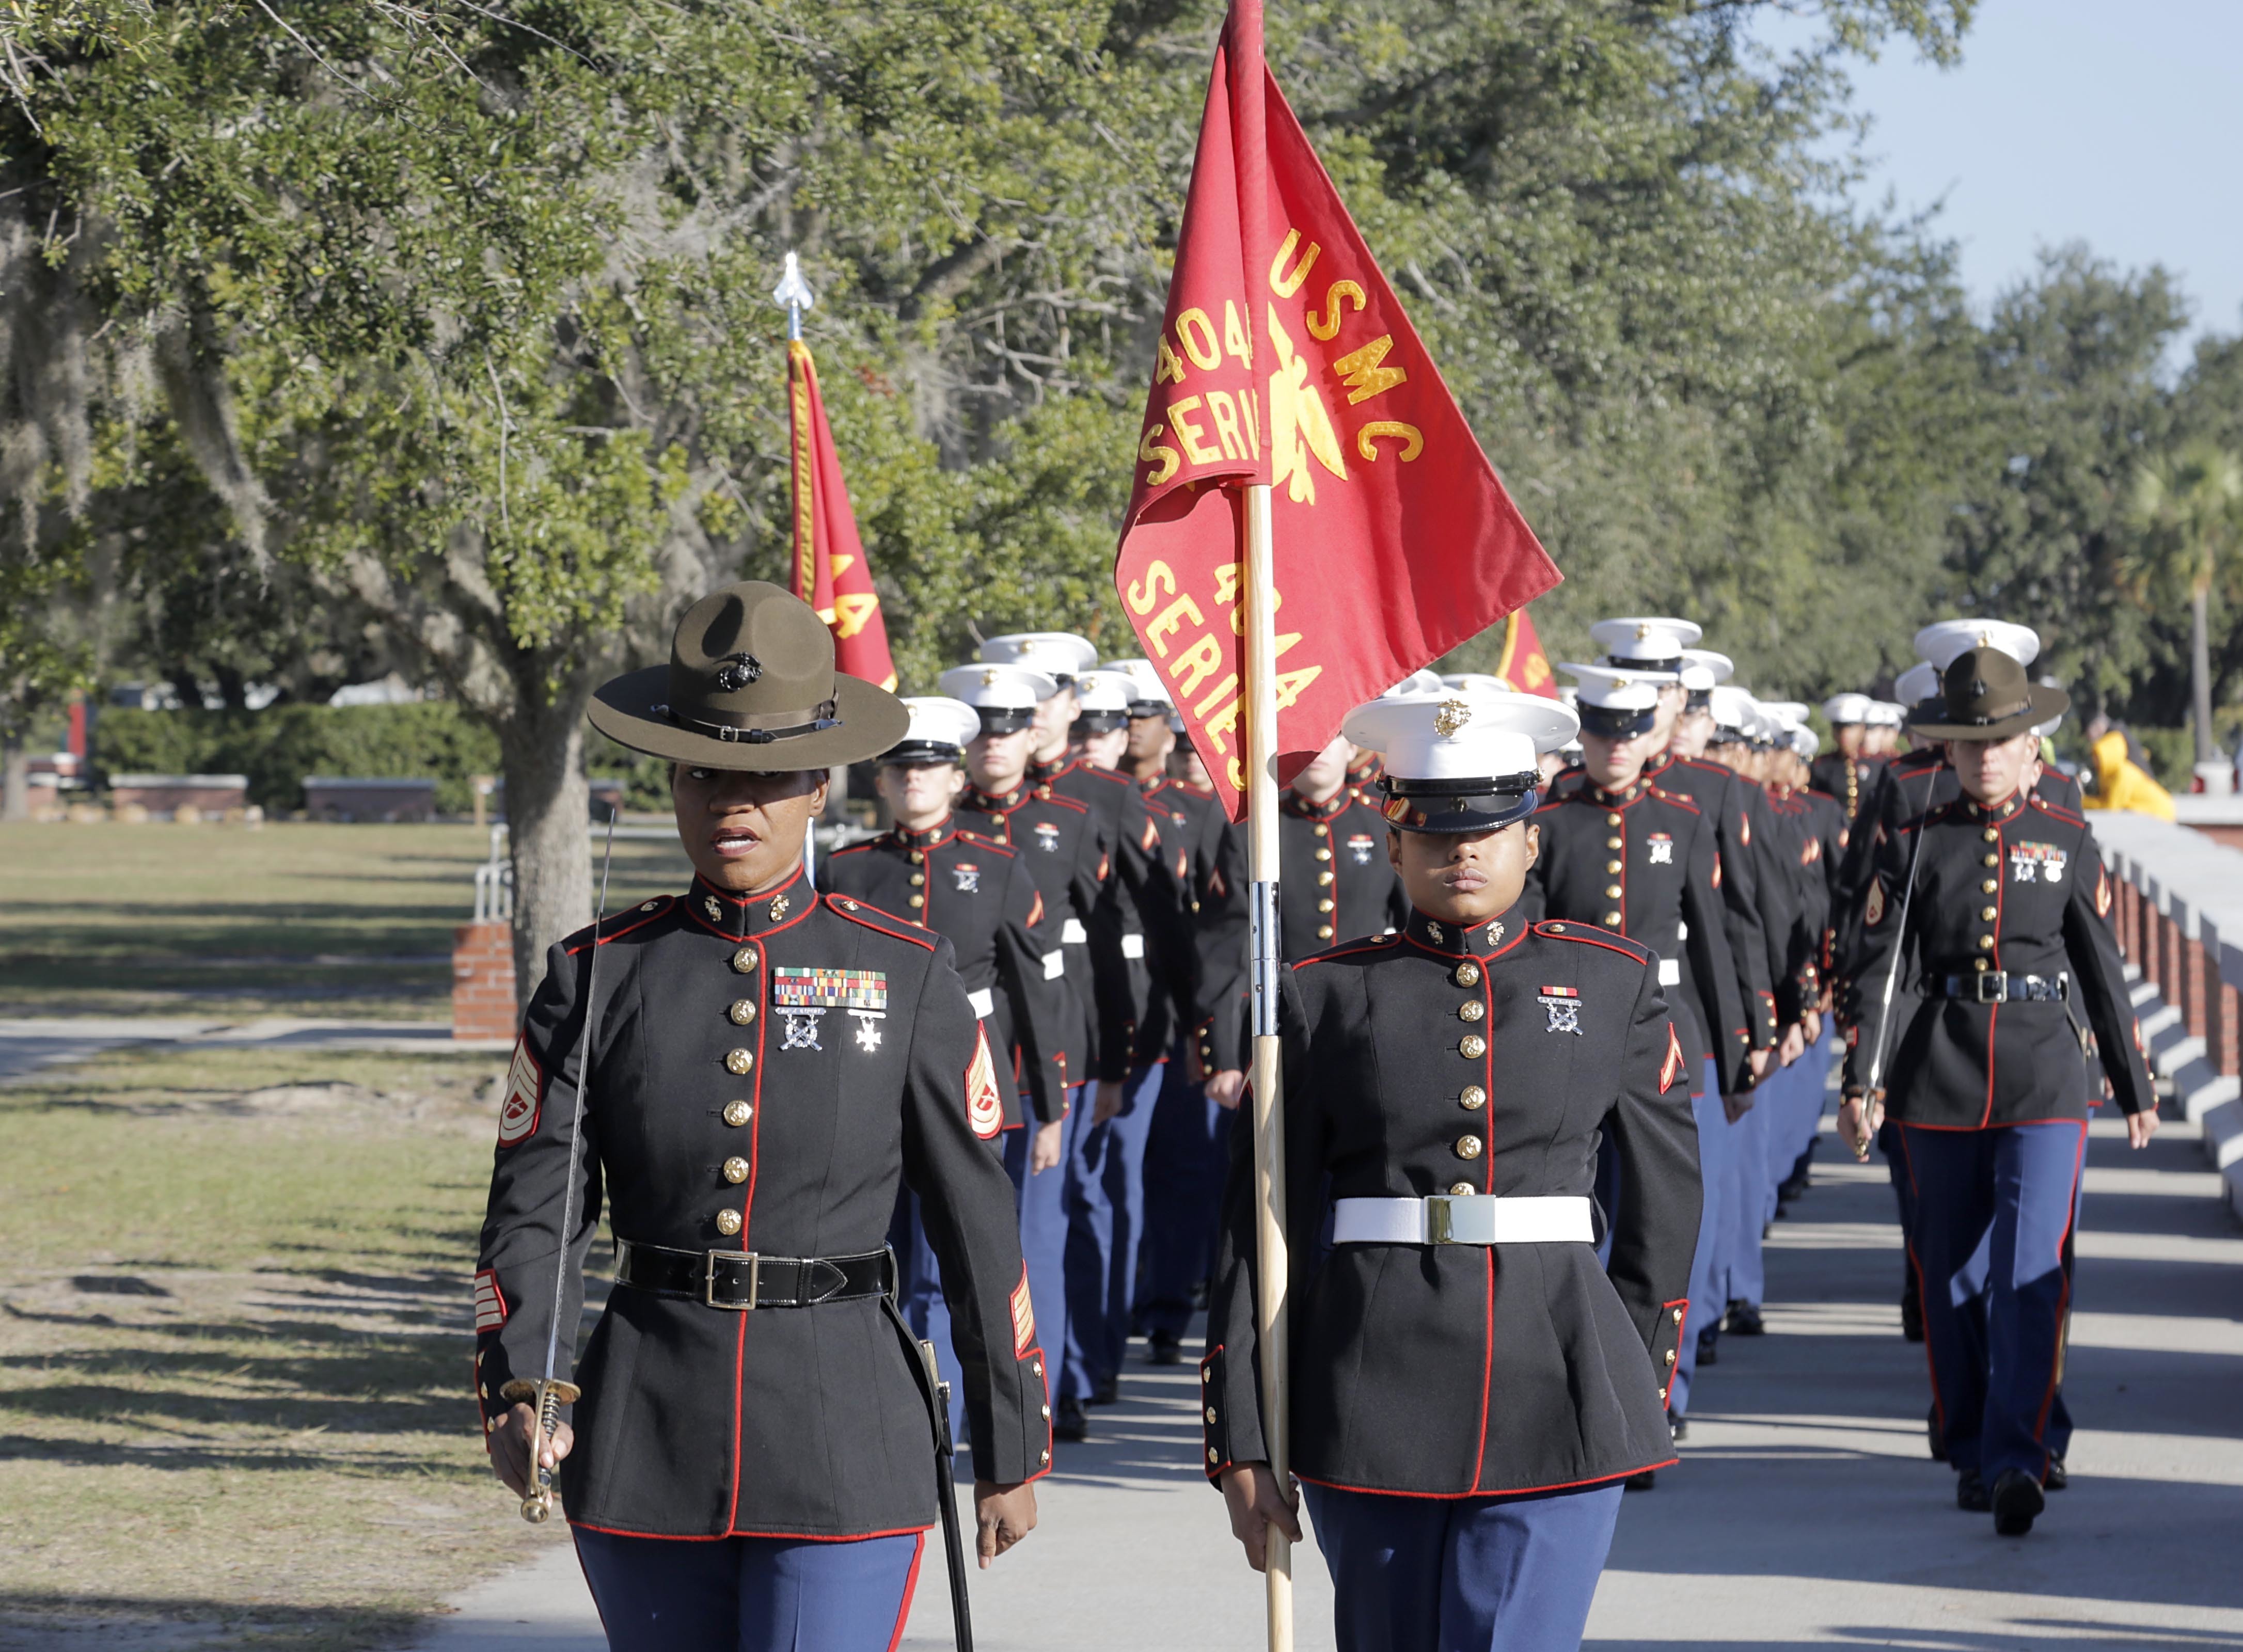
(1970, 1493)
(1643, 1481)
(2056, 1479)
(1070, 1422)
(1706, 1354)
(1934, 1435)
(1109, 1390)
(2017, 1502)
(1679, 1427)
(1164, 1347)
(1744, 1321)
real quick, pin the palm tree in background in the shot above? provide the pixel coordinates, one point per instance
(2188, 505)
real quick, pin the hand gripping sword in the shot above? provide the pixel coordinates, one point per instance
(548, 1393)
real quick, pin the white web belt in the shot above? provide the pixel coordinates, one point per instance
(1670, 972)
(1463, 1218)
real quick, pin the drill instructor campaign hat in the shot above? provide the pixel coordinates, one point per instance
(750, 686)
(1986, 695)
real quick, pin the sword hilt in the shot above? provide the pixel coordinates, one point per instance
(544, 1398)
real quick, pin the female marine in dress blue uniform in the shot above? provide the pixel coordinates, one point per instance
(1987, 912)
(1469, 1385)
(751, 1464)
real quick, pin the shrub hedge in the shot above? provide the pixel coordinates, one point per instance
(278, 747)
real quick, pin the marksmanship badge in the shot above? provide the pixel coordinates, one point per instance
(1563, 1005)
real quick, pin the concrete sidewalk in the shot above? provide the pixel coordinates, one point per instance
(1806, 1512)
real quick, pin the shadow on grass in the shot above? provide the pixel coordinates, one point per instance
(52, 1619)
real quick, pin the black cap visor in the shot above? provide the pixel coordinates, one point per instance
(1459, 806)
(920, 754)
(1615, 723)
(1005, 720)
(1098, 722)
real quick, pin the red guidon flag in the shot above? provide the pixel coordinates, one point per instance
(1285, 359)
(830, 570)
(1523, 666)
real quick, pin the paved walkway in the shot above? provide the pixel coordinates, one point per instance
(1806, 1512)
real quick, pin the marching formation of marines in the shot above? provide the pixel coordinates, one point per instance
(903, 1154)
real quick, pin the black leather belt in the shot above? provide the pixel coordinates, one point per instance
(1997, 986)
(743, 1280)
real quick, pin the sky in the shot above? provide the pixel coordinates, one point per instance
(2115, 121)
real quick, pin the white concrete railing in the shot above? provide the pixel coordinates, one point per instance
(2179, 916)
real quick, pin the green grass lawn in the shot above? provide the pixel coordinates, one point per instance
(234, 921)
(235, 1335)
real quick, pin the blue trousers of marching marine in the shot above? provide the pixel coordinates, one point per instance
(1740, 1275)
(1462, 1575)
(1706, 1300)
(1043, 1224)
(1991, 1209)
(1798, 1122)
(1105, 1230)
(751, 1594)
(1186, 1161)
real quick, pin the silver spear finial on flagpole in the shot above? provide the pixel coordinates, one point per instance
(794, 292)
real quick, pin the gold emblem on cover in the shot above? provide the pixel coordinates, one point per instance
(1451, 715)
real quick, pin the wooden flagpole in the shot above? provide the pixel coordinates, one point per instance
(1270, 1315)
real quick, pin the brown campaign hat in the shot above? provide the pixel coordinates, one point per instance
(750, 685)
(1986, 695)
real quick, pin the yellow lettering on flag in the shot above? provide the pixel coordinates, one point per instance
(1224, 412)
(1193, 439)
(1285, 285)
(1158, 454)
(855, 611)
(1235, 336)
(1170, 367)
(1292, 684)
(1413, 440)
(1363, 377)
(1327, 328)
(1196, 332)
(1195, 665)
(1144, 593)
(1171, 621)
(840, 562)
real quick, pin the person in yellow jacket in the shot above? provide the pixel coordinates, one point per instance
(2120, 782)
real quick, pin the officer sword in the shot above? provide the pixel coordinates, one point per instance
(1892, 974)
(548, 1394)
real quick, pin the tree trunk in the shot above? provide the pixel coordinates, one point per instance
(548, 803)
(2199, 668)
(16, 802)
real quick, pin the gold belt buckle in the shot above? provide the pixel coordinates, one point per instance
(709, 1279)
(1440, 1221)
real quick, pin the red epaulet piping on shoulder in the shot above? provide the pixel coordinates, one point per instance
(1673, 797)
(863, 912)
(989, 844)
(1065, 801)
(1347, 949)
(853, 849)
(638, 918)
(1567, 930)
(2056, 809)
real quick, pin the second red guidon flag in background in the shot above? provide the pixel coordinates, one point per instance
(831, 573)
